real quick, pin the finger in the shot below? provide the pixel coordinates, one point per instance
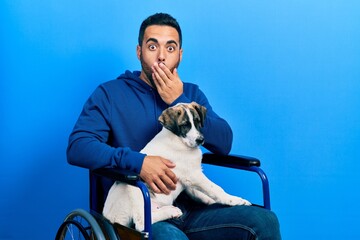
(162, 186)
(163, 72)
(168, 172)
(168, 163)
(159, 83)
(173, 178)
(154, 188)
(166, 70)
(157, 80)
(170, 182)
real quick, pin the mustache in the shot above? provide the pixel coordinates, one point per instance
(148, 70)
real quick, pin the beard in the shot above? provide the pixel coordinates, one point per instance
(148, 71)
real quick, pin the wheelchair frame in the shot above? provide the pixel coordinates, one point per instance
(99, 224)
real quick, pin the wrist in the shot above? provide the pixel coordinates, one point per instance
(181, 99)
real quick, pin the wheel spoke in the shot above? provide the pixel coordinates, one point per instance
(80, 225)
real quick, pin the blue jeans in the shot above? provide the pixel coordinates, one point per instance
(218, 222)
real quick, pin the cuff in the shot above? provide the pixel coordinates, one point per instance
(181, 99)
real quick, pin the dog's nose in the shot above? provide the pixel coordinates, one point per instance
(200, 140)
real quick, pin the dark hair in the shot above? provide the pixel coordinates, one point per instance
(162, 19)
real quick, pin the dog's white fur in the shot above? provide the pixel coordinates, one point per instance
(124, 203)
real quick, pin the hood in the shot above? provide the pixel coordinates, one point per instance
(133, 79)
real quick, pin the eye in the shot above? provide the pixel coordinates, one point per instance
(152, 47)
(185, 124)
(197, 122)
(171, 48)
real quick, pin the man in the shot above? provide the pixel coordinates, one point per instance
(120, 117)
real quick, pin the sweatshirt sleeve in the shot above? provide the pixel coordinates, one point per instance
(217, 132)
(88, 143)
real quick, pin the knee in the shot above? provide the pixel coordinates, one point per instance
(267, 226)
(165, 231)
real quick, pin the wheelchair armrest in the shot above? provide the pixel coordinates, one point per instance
(115, 174)
(131, 178)
(233, 161)
(243, 163)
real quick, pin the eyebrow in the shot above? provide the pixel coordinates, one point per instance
(156, 41)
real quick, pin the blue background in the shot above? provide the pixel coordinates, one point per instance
(284, 73)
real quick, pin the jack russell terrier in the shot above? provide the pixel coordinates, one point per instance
(178, 141)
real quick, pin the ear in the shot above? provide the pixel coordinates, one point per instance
(138, 51)
(167, 119)
(201, 110)
(181, 53)
(162, 118)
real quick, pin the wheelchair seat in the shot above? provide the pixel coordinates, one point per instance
(80, 224)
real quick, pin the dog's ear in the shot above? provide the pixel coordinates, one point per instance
(164, 117)
(168, 119)
(201, 111)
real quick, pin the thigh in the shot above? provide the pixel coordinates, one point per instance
(165, 231)
(238, 222)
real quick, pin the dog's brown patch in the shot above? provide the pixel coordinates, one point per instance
(173, 117)
(199, 112)
(176, 120)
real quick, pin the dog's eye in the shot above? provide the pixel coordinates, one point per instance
(197, 121)
(185, 124)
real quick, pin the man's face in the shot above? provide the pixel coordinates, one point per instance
(160, 44)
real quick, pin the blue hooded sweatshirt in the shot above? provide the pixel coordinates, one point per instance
(121, 117)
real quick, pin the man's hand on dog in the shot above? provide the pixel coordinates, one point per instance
(168, 84)
(156, 172)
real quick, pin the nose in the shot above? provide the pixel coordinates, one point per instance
(161, 57)
(200, 140)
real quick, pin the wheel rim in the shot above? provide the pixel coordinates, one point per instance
(72, 229)
(80, 225)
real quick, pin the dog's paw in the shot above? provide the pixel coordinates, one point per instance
(165, 212)
(174, 212)
(139, 224)
(208, 201)
(233, 201)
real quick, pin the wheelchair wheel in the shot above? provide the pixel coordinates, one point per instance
(107, 227)
(80, 225)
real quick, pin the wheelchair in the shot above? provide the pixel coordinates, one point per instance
(81, 224)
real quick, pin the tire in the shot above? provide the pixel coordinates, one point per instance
(80, 225)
